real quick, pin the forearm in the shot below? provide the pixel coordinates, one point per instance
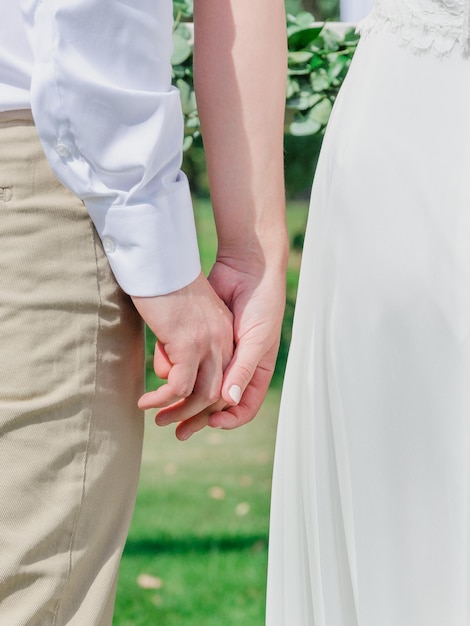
(240, 74)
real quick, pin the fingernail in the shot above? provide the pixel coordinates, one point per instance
(235, 393)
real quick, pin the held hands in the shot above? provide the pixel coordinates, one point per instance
(208, 383)
(195, 344)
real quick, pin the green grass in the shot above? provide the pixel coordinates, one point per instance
(200, 527)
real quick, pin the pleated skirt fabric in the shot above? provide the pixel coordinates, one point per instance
(371, 489)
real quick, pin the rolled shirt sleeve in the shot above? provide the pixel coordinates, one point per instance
(112, 128)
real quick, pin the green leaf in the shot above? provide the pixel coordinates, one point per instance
(182, 49)
(316, 62)
(304, 18)
(299, 57)
(304, 100)
(337, 67)
(193, 122)
(320, 80)
(303, 38)
(188, 99)
(183, 7)
(187, 142)
(321, 112)
(331, 39)
(293, 87)
(305, 127)
(300, 71)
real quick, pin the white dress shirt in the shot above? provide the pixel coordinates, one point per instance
(97, 76)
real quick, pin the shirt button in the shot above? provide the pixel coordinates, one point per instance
(62, 149)
(109, 245)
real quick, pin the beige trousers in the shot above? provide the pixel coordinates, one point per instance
(71, 370)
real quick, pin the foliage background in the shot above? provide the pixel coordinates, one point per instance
(318, 61)
(321, 9)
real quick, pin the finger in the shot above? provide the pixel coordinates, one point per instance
(235, 416)
(161, 397)
(206, 393)
(180, 385)
(241, 370)
(189, 427)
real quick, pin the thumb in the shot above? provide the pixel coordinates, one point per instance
(240, 371)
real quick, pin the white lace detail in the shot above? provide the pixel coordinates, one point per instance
(437, 26)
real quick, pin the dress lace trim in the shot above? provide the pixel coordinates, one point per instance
(437, 26)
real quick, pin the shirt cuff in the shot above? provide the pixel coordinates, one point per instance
(152, 248)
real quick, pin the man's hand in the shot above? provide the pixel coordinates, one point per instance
(256, 298)
(195, 344)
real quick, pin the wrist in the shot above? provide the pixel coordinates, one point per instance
(267, 248)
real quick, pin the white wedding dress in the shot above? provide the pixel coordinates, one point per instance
(371, 489)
